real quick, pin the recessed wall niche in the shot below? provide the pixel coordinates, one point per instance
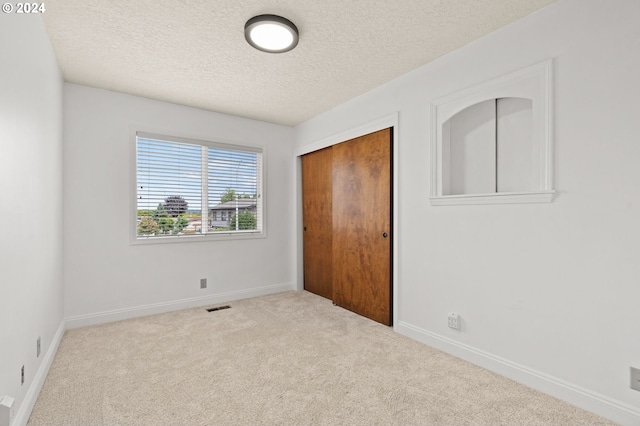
(492, 143)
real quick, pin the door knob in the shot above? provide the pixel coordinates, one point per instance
(305, 228)
(385, 235)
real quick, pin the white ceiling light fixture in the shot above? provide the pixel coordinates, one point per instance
(271, 33)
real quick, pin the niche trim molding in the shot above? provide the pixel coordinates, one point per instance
(534, 82)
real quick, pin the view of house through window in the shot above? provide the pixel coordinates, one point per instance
(193, 188)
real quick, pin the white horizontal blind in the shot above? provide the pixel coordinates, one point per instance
(234, 195)
(192, 188)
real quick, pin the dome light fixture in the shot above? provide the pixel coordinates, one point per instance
(271, 33)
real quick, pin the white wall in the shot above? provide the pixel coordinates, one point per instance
(548, 293)
(31, 291)
(107, 278)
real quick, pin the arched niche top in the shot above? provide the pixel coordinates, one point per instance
(475, 119)
(518, 107)
(521, 101)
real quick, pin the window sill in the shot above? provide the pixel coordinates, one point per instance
(497, 198)
(222, 236)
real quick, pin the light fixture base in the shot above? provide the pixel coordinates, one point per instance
(271, 33)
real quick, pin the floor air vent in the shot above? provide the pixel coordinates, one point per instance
(219, 308)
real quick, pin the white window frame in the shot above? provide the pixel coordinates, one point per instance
(535, 83)
(212, 236)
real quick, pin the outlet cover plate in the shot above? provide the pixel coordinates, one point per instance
(453, 321)
(6, 410)
(635, 378)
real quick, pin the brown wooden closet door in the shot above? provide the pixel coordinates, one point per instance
(362, 226)
(317, 217)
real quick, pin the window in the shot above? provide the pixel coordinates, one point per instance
(492, 143)
(182, 184)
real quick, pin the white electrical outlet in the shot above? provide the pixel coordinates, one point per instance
(454, 321)
(635, 378)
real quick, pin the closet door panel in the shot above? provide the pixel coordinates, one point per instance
(362, 238)
(317, 222)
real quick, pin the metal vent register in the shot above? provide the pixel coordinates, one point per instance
(219, 308)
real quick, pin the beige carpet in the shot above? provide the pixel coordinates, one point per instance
(286, 359)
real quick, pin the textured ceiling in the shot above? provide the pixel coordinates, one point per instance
(194, 52)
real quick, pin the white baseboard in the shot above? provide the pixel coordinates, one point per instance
(601, 405)
(23, 413)
(174, 305)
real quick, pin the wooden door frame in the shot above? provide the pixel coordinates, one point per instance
(381, 123)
